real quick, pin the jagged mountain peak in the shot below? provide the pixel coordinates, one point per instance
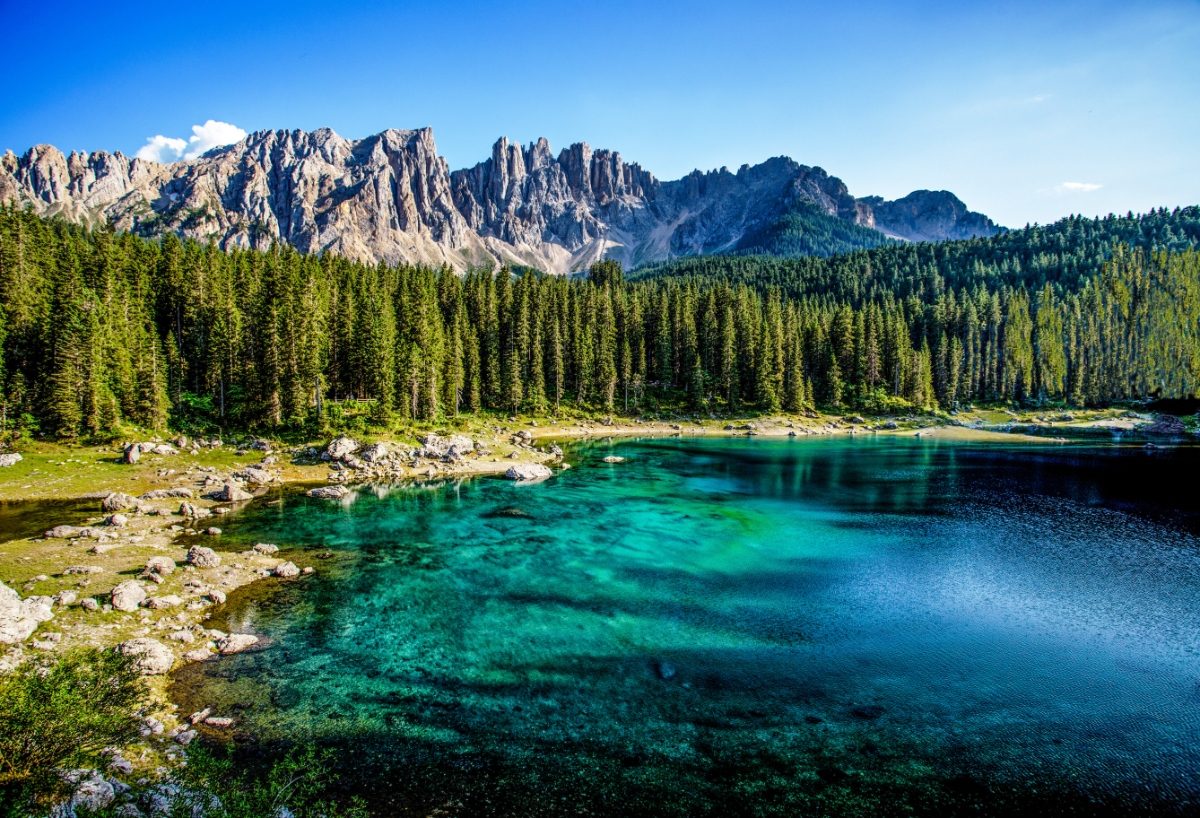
(391, 196)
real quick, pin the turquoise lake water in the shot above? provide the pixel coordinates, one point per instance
(740, 627)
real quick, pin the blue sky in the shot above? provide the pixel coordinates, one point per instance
(1028, 111)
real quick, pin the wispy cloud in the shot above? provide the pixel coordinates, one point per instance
(212, 134)
(1077, 187)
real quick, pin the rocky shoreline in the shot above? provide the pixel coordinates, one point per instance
(135, 576)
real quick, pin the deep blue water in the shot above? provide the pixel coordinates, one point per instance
(729, 627)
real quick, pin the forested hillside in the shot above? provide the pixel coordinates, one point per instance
(1064, 254)
(101, 329)
(806, 230)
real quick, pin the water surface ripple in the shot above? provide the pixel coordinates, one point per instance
(741, 627)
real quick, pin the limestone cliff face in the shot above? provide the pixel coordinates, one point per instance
(391, 197)
(929, 215)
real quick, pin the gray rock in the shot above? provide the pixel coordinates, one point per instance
(166, 494)
(556, 212)
(232, 493)
(19, 618)
(63, 532)
(193, 511)
(128, 596)
(9, 459)
(131, 454)
(256, 476)
(160, 565)
(202, 557)
(236, 643)
(438, 448)
(341, 447)
(266, 548)
(528, 472)
(286, 570)
(120, 501)
(151, 657)
(329, 492)
(159, 603)
(92, 794)
(375, 453)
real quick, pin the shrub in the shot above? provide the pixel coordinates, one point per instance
(296, 785)
(62, 716)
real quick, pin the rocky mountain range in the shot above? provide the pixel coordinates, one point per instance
(392, 197)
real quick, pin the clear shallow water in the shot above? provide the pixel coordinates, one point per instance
(753, 627)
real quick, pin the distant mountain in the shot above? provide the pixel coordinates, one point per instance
(929, 215)
(391, 197)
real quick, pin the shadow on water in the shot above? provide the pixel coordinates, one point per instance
(739, 628)
(20, 519)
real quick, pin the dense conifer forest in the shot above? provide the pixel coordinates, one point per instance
(101, 330)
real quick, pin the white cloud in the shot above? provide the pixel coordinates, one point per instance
(212, 134)
(161, 148)
(1077, 187)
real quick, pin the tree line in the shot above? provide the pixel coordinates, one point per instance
(100, 330)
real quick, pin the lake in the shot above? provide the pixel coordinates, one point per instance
(868, 626)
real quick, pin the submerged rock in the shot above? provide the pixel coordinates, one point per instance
(236, 643)
(508, 512)
(528, 472)
(613, 458)
(665, 670)
(868, 712)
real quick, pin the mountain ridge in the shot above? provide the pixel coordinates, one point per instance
(392, 197)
